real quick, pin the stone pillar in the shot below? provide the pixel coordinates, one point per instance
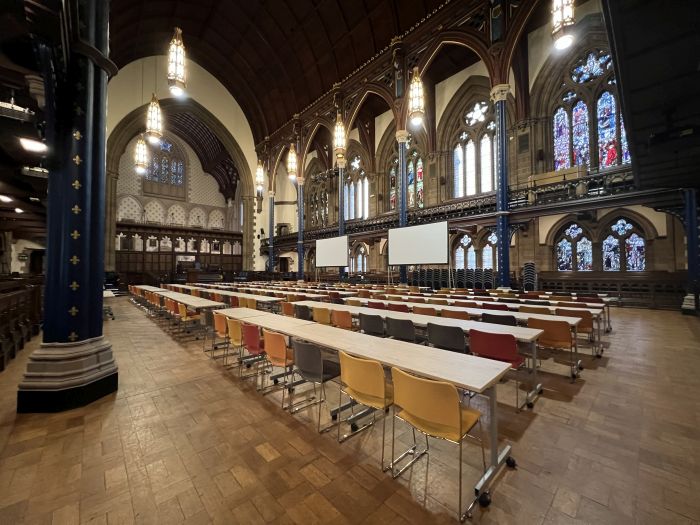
(111, 221)
(248, 248)
(499, 94)
(271, 234)
(401, 191)
(75, 365)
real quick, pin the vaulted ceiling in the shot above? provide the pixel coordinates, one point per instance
(274, 56)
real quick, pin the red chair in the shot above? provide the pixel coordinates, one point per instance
(255, 346)
(494, 306)
(233, 301)
(500, 347)
(589, 300)
(376, 304)
(398, 307)
(466, 304)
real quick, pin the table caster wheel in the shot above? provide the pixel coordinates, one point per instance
(334, 417)
(530, 404)
(290, 390)
(353, 427)
(510, 462)
(484, 499)
(574, 375)
(275, 381)
(541, 391)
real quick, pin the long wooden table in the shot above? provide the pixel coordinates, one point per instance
(190, 300)
(468, 372)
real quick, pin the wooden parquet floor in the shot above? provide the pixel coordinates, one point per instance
(185, 441)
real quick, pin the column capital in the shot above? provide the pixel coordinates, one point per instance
(342, 162)
(402, 135)
(499, 92)
(271, 194)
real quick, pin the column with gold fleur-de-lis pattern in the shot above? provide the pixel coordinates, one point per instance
(75, 365)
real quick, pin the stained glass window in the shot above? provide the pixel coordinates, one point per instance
(621, 227)
(584, 255)
(392, 188)
(561, 139)
(365, 197)
(573, 231)
(579, 122)
(360, 212)
(594, 65)
(564, 256)
(607, 139)
(351, 200)
(419, 182)
(635, 248)
(459, 258)
(626, 159)
(488, 254)
(457, 163)
(476, 114)
(471, 257)
(486, 164)
(165, 166)
(410, 177)
(611, 254)
(346, 201)
(470, 167)
(569, 96)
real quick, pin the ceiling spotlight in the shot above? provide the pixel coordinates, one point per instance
(34, 199)
(19, 210)
(33, 145)
(5, 198)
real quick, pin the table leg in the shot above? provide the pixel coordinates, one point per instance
(533, 394)
(607, 309)
(497, 457)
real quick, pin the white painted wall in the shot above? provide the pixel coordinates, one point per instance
(657, 218)
(445, 90)
(381, 123)
(18, 247)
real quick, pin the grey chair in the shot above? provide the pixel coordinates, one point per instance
(401, 329)
(207, 322)
(311, 366)
(303, 312)
(447, 337)
(508, 320)
(372, 325)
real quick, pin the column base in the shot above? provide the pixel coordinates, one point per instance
(63, 376)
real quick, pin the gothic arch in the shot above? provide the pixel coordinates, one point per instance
(607, 220)
(370, 89)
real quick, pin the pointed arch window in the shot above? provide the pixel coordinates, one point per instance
(607, 135)
(393, 172)
(472, 156)
(358, 263)
(561, 139)
(624, 233)
(488, 253)
(464, 253)
(356, 193)
(574, 250)
(581, 150)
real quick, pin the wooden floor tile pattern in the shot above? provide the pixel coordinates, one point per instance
(185, 441)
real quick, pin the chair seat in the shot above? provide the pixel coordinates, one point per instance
(373, 401)
(469, 419)
(288, 362)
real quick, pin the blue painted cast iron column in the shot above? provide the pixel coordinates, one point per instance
(341, 203)
(300, 238)
(499, 94)
(693, 237)
(271, 234)
(401, 191)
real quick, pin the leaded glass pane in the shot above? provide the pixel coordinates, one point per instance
(493, 238)
(611, 254)
(626, 159)
(164, 170)
(592, 66)
(607, 139)
(621, 227)
(346, 201)
(579, 120)
(365, 197)
(564, 256)
(477, 114)
(573, 231)
(471, 257)
(459, 258)
(486, 165)
(351, 200)
(458, 174)
(635, 248)
(584, 255)
(392, 188)
(561, 139)
(360, 212)
(465, 240)
(487, 257)
(411, 177)
(471, 167)
(420, 196)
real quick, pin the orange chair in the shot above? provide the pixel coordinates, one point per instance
(585, 326)
(441, 302)
(287, 309)
(467, 304)
(455, 314)
(557, 335)
(424, 310)
(255, 346)
(342, 319)
(278, 354)
(220, 331)
(534, 310)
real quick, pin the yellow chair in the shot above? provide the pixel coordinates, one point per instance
(535, 310)
(557, 335)
(455, 314)
(434, 409)
(342, 319)
(221, 332)
(235, 337)
(278, 354)
(287, 309)
(322, 315)
(353, 302)
(363, 380)
(252, 304)
(585, 326)
(186, 316)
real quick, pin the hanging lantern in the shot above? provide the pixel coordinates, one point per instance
(154, 122)
(562, 21)
(339, 139)
(141, 156)
(292, 163)
(176, 64)
(259, 177)
(416, 102)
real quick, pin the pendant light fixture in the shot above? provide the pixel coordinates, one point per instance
(292, 163)
(176, 64)
(154, 122)
(259, 177)
(339, 138)
(416, 102)
(141, 156)
(562, 21)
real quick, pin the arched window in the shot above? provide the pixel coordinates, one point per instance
(414, 181)
(351, 200)
(464, 253)
(166, 166)
(356, 191)
(317, 200)
(488, 253)
(634, 260)
(393, 174)
(359, 261)
(472, 156)
(589, 96)
(574, 250)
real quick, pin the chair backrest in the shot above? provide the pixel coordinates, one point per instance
(275, 347)
(182, 310)
(466, 304)
(416, 300)
(441, 302)
(232, 300)
(434, 402)
(502, 347)
(447, 337)
(302, 312)
(424, 310)
(195, 293)
(363, 293)
(400, 307)
(353, 302)
(536, 301)
(322, 315)
(401, 329)
(569, 304)
(455, 314)
(556, 334)
(308, 360)
(589, 300)
(376, 304)
(559, 298)
(365, 378)
(251, 339)
(252, 304)
(372, 324)
(495, 306)
(235, 334)
(486, 298)
(586, 324)
(220, 324)
(287, 309)
(508, 320)
(534, 310)
(341, 319)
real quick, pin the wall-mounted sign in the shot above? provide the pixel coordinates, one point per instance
(23, 257)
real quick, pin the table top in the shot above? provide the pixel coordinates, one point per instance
(148, 288)
(241, 313)
(107, 293)
(258, 298)
(190, 300)
(276, 322)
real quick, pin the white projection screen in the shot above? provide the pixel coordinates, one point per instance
(332, 252)
(425, 244)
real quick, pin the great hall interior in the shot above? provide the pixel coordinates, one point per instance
(349, 261)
